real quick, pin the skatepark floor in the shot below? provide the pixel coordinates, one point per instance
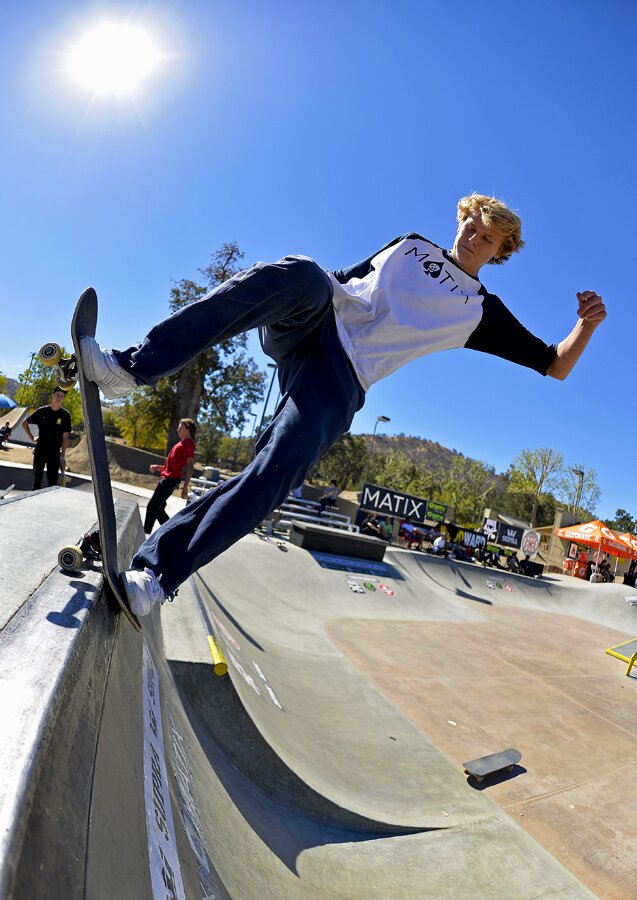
(329, 763)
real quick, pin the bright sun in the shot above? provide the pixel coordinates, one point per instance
(112, 58)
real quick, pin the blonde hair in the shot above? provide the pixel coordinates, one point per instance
(191, 425)
(494, 213)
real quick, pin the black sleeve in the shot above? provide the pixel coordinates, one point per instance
(361, 269)
(500, 334)
(67, 420)
(35, 418)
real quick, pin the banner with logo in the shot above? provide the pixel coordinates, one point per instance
(436, 512)
(471, 539)
(510, 535)
(394, 503)
(490, 529)
(530, 542)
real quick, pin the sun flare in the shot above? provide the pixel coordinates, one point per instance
(113, 58)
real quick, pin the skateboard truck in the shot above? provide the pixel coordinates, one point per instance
(65, 367)
(72, 556)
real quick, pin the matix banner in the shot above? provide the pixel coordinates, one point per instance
(393, 503)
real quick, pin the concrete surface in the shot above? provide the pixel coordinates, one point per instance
(329, 763)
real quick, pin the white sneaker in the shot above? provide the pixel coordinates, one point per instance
(101, 366)
(143, 591)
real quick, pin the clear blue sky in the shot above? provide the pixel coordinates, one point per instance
(328, 128)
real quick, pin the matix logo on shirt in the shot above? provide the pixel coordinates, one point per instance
(435, 269)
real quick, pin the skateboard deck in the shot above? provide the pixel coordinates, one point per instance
(494, 762)
(5, 491)
(84, 323)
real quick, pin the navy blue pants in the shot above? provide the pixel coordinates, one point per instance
(291, 302)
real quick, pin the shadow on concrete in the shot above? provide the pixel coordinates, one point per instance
(81, 599)
(282, 809)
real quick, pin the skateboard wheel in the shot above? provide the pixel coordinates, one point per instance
(50, 354)
(479, 778)
(70, 558)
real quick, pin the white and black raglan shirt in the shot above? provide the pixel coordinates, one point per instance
(410, 299)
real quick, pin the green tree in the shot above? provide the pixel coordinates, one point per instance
(112, 423)
(37, 384)
(3, 382)
(466, 486)
(345, 462)
(580, 494)
(144, 422)
(217, 388)
(622, 522)
(535, 473)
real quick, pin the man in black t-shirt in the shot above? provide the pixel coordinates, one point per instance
(54, 426)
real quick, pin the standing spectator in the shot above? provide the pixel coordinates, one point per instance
(54, 427)
(330, 496)
(178, 465)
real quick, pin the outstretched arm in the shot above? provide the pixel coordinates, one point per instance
(591, 312)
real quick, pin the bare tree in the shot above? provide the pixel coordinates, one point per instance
(536, 472)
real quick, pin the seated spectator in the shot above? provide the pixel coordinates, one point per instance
(512, 564)
(459, 551)
(371, 526)
(5, 434)
(440, 545)
(410, 534)
(330, 496)
(387, 528)
(526, 566)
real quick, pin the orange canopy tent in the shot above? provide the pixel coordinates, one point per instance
(631, 540)
(596, 534)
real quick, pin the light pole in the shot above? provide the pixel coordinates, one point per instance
(371, 446)
(580, 487)
(267, 399)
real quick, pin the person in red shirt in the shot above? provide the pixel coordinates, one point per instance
(178, 465)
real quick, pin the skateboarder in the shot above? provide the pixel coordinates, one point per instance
(332, 335)
(54, 427)
(178, 465)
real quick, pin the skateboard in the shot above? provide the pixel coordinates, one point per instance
(72, 556)
(70, 369)
(5, 491)
(494, 762)
(268, 540)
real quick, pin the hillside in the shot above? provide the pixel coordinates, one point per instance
(422, 452)
(11, 387)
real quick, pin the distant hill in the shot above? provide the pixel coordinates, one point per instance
(422, 452)
(11, 387)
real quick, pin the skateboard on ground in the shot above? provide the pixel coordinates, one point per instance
(269, 540)
(69, 370)
(494, 762)
(5, 491)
